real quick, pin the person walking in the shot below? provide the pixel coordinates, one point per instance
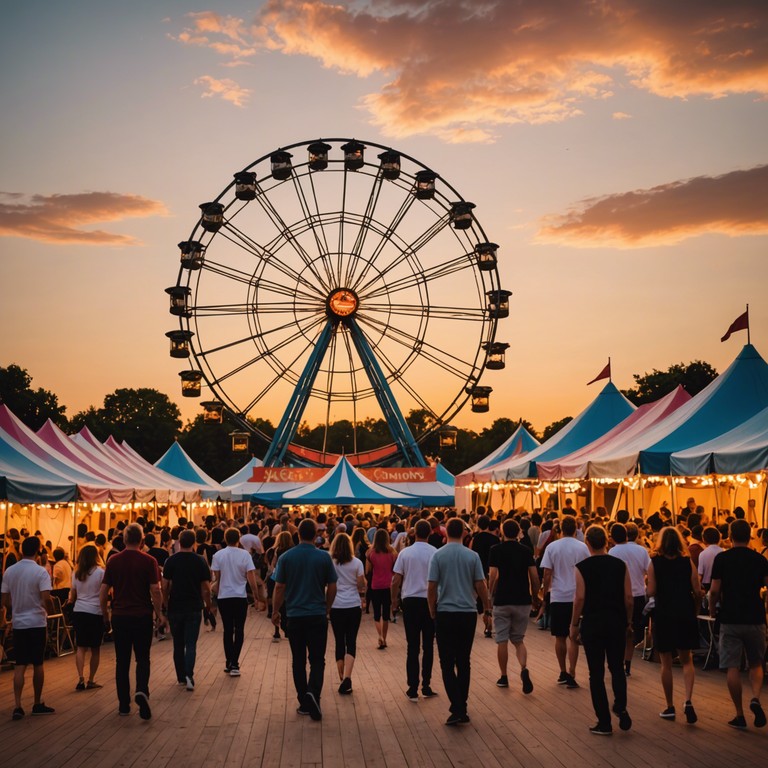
(233, 569)
(347, 608)
(409, 591)
(514, 589)
(186, 591)
(674, 583)
(381, 561)
(637, 560)
(603, 605)
(306, 580)
(559, 560)
(26, 592)
(133, 578)
(455, 581)
(87, 618)
(738, 575)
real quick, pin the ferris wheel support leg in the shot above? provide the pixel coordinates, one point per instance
(398, 426)
(289, 423)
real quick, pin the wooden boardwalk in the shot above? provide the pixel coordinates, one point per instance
(251, 720)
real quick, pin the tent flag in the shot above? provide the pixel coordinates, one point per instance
(741, 323)
(604, 374)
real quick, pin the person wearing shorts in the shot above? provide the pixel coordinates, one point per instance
(559, 561)
(738, 575)
(514, 588)
(26, 590)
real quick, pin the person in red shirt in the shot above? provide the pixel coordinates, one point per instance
(133, 578)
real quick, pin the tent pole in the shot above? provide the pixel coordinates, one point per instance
(674, 500)
(74, 532)
(765, 499)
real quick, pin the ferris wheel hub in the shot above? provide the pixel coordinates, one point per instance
(342, 303)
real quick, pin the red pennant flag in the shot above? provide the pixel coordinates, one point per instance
(741, 323)
(604, 374)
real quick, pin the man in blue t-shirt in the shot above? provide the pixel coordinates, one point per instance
(455, 578)
(305, 579)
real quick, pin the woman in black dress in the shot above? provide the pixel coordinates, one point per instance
(674, 583)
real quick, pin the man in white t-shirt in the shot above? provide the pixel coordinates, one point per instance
(711, 537)
(637, 560)
(232, 569)
(559, 563)
(26, 591)
(409, 589)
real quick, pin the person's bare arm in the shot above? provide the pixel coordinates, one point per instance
(103, 601)
(205, 593)
(156, 593)
(493, 578)
(277, 602)
(651, 588)
(715, 588)
(578, 605)
(330, 596)
(547, 580)
(47, 600)
(482, 592)
(397, 581)
(533, 578)
(432, 598)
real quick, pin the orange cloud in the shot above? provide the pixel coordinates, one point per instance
(226, 35)
(60, 218)
(459, 69)
(226, 89)
(733, 204)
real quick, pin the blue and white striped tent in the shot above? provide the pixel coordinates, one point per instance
(345, 485)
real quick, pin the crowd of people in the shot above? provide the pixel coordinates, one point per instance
(596, 584)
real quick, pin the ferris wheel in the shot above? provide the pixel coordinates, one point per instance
(334, 280)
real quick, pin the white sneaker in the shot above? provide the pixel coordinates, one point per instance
(234, 672)
(190, 684)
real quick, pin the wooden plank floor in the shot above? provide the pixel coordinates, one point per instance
(251, 720)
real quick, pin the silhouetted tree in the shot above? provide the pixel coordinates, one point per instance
(651, 386)
(33, 406)
(554, 428)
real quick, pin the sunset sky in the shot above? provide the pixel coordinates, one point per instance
(616, 150)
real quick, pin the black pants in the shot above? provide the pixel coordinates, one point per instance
(185, 627)
(604, 639)
(345, 623)
(233, 611)
(132, 635)
(420, 637)
(455, 633)
(308, 636)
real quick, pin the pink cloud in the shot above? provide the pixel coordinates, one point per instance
(733, 204)
(459, 68)
(225, 89)
(61, 218)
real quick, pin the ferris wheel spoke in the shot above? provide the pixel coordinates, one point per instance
(281, 370)
(235, 236)
(394, 373)
(315, 222)
(353, 388)
(409, 252)
(364, 227)
(405, 206)
(248, 279)
(329, 388)
(263, 308)
(437, 355)
(457, 264)
(293, 323)
(284, 230)
(476, 314)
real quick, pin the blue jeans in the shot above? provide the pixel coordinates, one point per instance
(185, 627)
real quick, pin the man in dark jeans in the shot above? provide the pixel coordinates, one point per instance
(305, 579)
(603, 603)
(134, 579)
(186, 589)
(455, 579)
(738, 575)
(409, 582)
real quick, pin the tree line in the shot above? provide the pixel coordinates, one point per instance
(150, 421)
